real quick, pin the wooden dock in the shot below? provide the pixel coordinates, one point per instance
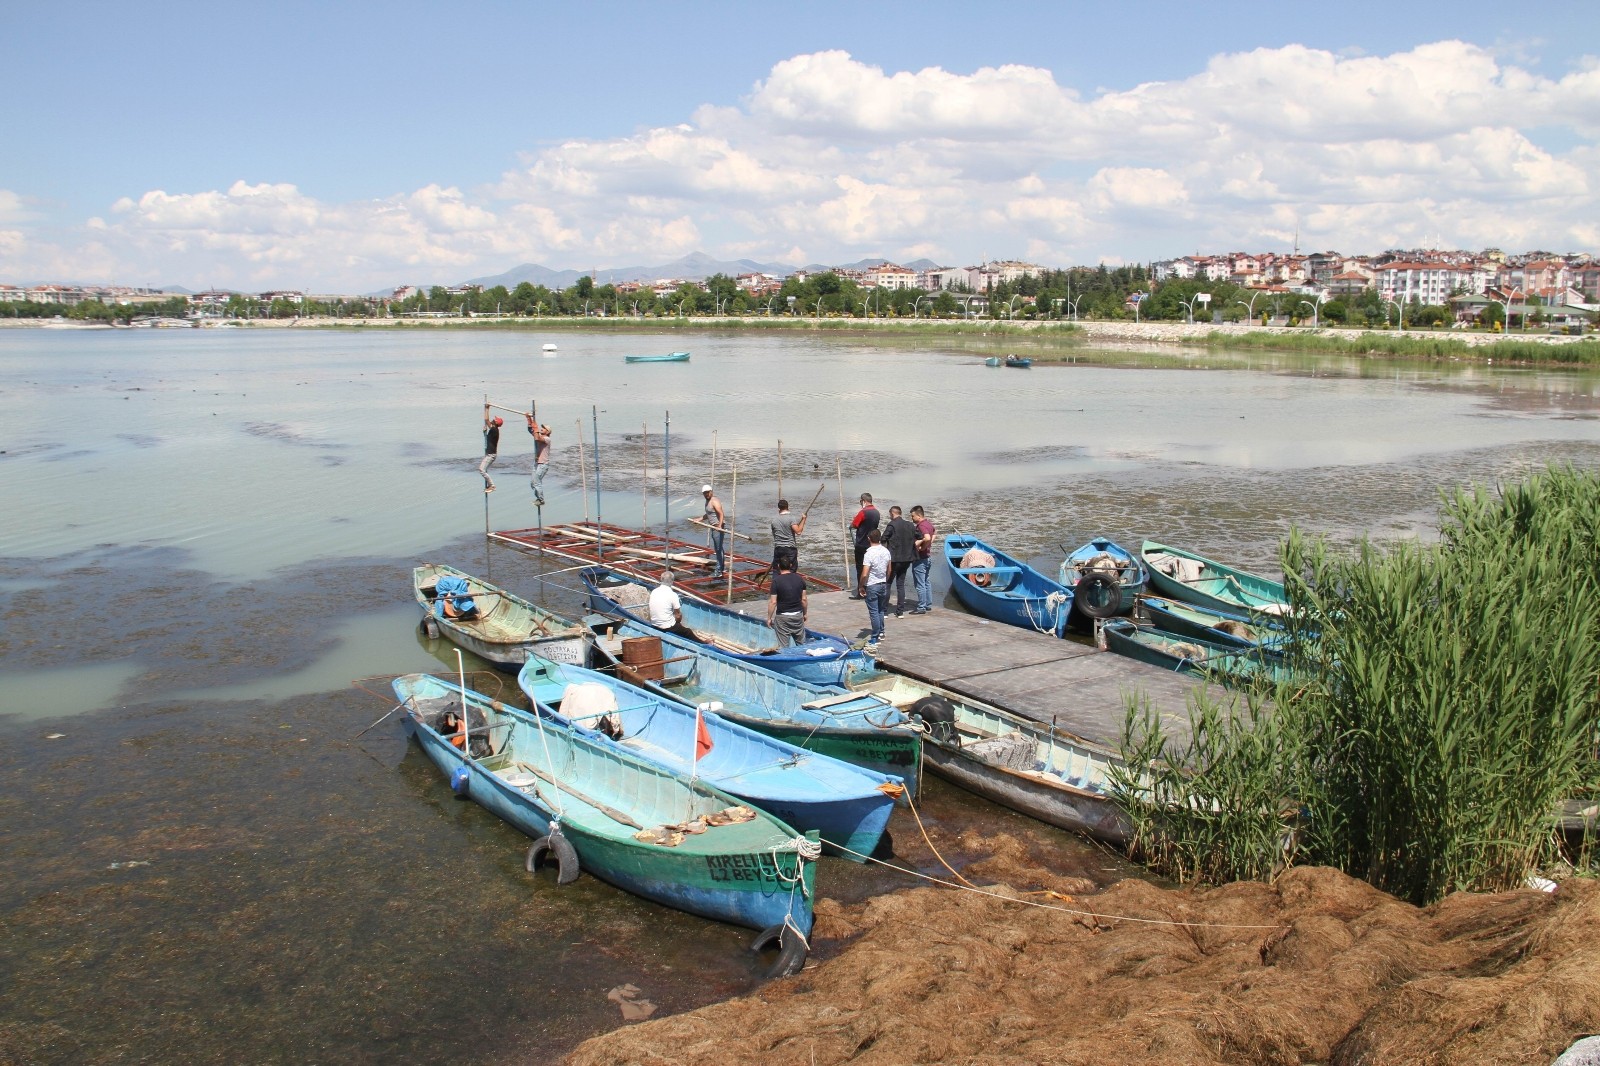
(1080, 688)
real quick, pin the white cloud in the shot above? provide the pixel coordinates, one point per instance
(832, 159)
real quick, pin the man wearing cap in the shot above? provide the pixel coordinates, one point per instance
(718, 524)
(491, 446)
(865, 523)
(541, 458)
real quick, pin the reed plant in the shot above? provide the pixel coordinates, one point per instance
(1407, 346)
(1443, 703)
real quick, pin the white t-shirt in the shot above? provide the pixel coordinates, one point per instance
(664, 602)
(877, 561)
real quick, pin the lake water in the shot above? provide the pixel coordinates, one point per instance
(208, 536)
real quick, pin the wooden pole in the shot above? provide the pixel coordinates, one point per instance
(733, 504)
(497, 407)
(849, 558)
(814, 500)
(780, 470)
(666, 489)
(583, 469)
(703, 523)
(601, 545)
(644, 476)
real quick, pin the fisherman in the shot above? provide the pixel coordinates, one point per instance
(491, 446)
(718, 524)
(787, 604)
(786, 538)
(864, 523)
(921, 570)
(900, 537)
(666, 609)
(541, 458)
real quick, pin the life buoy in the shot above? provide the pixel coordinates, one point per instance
(791, 947)
(1097, 595)
(555, 846)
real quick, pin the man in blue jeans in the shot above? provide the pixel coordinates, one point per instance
(875, 566)
(922, 569)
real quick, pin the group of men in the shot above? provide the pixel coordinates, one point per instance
(491, 451)
(885, 553)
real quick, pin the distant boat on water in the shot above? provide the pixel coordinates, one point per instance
(1018, 362)
(549, 350)
(671, 357)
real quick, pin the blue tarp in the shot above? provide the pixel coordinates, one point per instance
(454, 589)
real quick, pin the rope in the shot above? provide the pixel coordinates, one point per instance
(912, 803)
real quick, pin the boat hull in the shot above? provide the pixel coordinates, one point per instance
(1018, 596)
(1218, 586)
(1195, 621)
(507, 636)
(1112, 561)
(1190, 655)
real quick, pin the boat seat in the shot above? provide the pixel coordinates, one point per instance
(991, 569)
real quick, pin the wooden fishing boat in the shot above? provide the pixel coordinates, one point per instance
(1005, 589)
(821, 658)
(848, 805)
(1105, 578)
(618, 816)
(670, 357)
(1017, 362)
(993, 360)
(1218, 627)
(1187, 576)
(1016, 762)
(505, 629)
(858, 728)
(1226, 663)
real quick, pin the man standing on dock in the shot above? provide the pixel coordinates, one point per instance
(864, 523)
(786, 538)
(787, 604)
(921, 570)
(541, 458)
(491, 446)
(717, 523)
(874, 577)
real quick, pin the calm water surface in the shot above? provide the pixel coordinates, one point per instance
(208, 535)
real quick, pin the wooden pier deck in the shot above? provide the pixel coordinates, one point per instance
(1080, 688)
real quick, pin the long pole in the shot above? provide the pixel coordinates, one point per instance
(644, 475)
(583, 468)
(666, 488)
(814, 500)
(486, 495)
(600, 542)
(838, 469)
(780, 470)
(713, 479)
(733, 503)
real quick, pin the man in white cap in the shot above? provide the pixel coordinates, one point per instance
(717, 522)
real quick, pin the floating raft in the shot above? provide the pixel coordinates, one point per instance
(644, 555)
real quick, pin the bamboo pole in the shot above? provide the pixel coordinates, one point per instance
(702, 522)
(780, 470)
(644, 475)
(600, 548)
(733, 504)
(583, 470)
(666, 487)
(712, 480)
(849, 558)
(498, 407)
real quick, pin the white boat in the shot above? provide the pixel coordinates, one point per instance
(549, 349)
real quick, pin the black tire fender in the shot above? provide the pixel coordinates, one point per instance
(557, 847)
(791, 947)
(938, 717)
(1097, 596)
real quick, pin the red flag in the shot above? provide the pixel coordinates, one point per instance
(702, 735)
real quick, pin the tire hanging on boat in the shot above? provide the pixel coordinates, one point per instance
(1097, 596)
(936, 713)
(558, 847)
(791, 946)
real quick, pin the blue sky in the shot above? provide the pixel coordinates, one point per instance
(350, 147)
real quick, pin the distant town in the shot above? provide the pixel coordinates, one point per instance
(1406, 288)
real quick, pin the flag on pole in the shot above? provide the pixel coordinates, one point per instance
(702, 735)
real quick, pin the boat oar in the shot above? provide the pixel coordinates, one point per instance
(374, 725)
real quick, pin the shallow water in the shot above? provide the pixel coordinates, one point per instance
(209, 535)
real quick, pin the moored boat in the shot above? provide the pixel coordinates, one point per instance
(502, 628)
(820, 658)
(1192, 655)
(848, 805)
(1105, 578)
(994, 585)
(1028, 766)
(1185, 575)
(1017, 362)
(632, 823)
(1219, 627)
(858, 728)
(670, 357)
(993, 360)
(548, 349)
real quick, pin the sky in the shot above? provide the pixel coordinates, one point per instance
(356, 146)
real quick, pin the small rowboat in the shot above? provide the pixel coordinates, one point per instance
(671, 357)
(847, 805)
(993, 360)
(1219, 627)
(1187, 576)
(627, 821)
(505, 629)
(1017, 362)
(860, 729)
(1019, 763)
(1105, 578)
(821, 658)
(1191, 655)
(992, 584)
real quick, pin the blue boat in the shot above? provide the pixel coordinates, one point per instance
(1228, 664)
(860, 729)
(1017, 362)
(671, 357)
(849, 806)
(993, 360)
(1105, 578)
(1205, 623)
(821, 658)
(630, 822)
(998, 586)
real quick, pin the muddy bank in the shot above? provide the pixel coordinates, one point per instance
(1317, 968)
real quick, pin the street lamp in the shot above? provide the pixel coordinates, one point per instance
(918, 303)
(1509, 293)
(1399, 312)
(1316, 309)
(1138, 299)
(1073, 303)
(1188, 306)
(1251, 306)
(1011, 308)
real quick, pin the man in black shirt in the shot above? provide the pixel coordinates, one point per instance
(787, 604)
(491, 446)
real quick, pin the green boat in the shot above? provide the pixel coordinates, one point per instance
(1190, 655)
(670, 357)
(1193, 578)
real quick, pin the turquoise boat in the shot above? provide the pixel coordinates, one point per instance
(1218, 627)
(821, 658)
(1228, 664)
(993, 360)
(1105, 578)
(670, 357)
(629, 822)
(1007, 589)
(847, 805)
(1193, 578)
(504, 629)
(1017, 762)
(858, 728)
